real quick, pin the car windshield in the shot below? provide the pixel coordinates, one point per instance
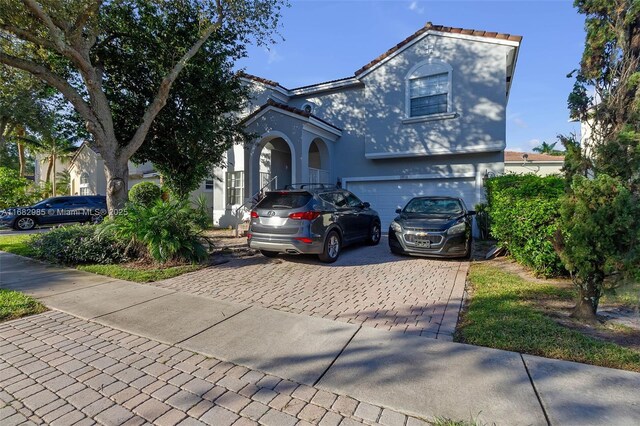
(43, 202)
(284, 200)
(436, 206)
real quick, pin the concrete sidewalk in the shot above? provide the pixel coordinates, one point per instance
(410, 374)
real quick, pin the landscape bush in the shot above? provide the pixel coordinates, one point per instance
(524, 212)
(145, 193)
(167, 230)
(77, 245)
(15, 190)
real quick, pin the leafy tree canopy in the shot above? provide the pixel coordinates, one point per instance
(64, 43)
(200, 120)
(606, 93)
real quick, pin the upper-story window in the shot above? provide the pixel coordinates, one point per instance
(84, 184)
(429, 89)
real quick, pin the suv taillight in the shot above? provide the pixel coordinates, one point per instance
(254, 214)
(304, 215)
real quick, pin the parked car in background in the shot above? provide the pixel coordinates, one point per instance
(432, 226)
(54, 211)
(311, 219)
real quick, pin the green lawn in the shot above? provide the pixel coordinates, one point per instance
(16, 305)
(139, 275)
(502, 314)
(17, 244)
(626, 294)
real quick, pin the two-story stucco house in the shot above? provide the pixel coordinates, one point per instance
(427, 117)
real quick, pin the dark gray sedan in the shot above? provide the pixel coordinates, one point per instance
(312, 219)
(432, 226)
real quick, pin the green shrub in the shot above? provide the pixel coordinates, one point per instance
(145, 193)
(600, 237)
(199, 213)
(524, 211)
(15, 190)
(78, 244)
(167, 230)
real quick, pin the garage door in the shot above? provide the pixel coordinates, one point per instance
(387, 196)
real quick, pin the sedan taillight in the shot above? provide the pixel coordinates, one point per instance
(310, 215)
(254, 214)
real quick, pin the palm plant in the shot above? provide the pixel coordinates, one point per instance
(53, 149)
(547, 148)
(63, 182)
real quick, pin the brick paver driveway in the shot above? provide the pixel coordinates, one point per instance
(367, 285)
(58, 369)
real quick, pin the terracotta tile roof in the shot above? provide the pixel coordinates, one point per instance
(288, 108)
(261, 80)
(514, 156)
(440, 28)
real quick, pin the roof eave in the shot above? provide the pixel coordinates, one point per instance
(391, 53)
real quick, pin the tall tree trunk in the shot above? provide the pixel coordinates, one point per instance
(21, 159)
(53, 161)
(49, 167)
(589, 293)
(116, 170)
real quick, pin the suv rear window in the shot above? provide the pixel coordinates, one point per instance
(284, 200)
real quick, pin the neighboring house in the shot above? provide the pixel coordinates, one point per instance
(523, 163)
(427, 117)
(88, 177)
(42, 166)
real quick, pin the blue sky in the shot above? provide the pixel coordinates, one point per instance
(325, 40)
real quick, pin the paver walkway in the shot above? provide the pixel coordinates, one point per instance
(117, 334)
(367, 285)
(58, 369)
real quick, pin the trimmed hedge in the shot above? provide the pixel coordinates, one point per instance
(78, 244)
(145, 194)
(524, 212)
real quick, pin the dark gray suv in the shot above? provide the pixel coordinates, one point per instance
(311, 219)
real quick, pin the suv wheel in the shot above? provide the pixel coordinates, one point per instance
(331, 248)
(374, 234)
(25, 223)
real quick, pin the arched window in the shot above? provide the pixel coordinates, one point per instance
(429, 89)
(84, 184)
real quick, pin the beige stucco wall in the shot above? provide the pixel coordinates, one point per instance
(87, 161)
(535, 167)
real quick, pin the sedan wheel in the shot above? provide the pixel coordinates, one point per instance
(25, 223)
(331, 248)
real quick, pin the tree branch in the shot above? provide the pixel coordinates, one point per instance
(77, 28)
(68, 91)
(160, 99)
(58, 36)
(28, 36)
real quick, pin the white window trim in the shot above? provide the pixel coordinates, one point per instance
(241, 188)
(407, 89)
(84, 187)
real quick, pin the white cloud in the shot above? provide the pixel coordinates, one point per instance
(414, 6)
(534, 142)
(520, 123)
(518, 120)
(273, 56)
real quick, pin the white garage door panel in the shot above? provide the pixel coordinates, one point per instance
(387, 196)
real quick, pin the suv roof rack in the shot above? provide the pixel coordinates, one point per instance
(310, 186)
